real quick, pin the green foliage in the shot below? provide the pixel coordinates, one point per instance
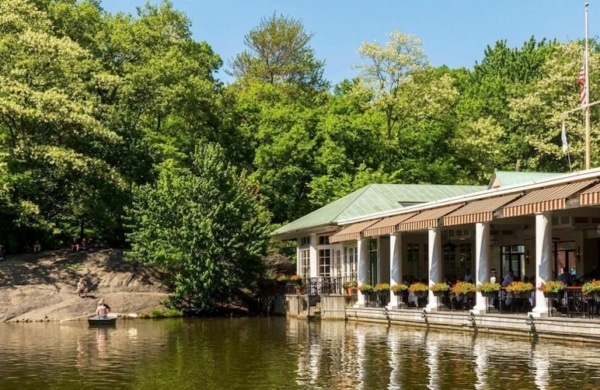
(279, 53)
(202, 226)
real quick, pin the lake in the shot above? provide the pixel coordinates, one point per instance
(280, 353)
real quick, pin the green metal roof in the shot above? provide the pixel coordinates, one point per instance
(506, 178)
(372, 199)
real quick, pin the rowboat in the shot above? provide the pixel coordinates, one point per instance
(97, 321)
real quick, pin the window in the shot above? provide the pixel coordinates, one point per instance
(412, 254)
(324, 262)
(350, 256)
(512, 259)
(304, 263)
(304, 242)
(323, 240)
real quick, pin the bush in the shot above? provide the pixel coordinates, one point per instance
(381, 287)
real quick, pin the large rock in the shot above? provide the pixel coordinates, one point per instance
(36, 287)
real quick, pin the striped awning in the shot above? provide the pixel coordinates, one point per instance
(479, 210)
(387, 225)
(590, 197)
(428, 218)
(544, 199)
(352, 232)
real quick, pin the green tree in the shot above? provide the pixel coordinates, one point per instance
(387, 68)
(203, 226)
(51, 129)
(279, 53)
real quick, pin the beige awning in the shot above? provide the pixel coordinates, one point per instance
(479, 210)
(590, 197)
(352, 232)
(387, 225)
(544, 199)
(428, 218)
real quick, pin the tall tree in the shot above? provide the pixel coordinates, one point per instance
(202, 225)
(387, 68)
(279, 52)
(50, 128)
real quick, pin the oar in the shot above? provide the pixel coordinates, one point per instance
(74, 318)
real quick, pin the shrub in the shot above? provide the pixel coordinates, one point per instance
(366, 288)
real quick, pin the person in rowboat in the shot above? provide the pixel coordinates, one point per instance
(102, 310)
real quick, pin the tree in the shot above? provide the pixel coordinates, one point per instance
(51, 129)
(279, 52)
(388, 68)
(203, 225)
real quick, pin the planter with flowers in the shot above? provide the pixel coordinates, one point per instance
(350, 287)
(366, 288)
(419, 289)
(552, 288)
(591, 288)
(382, 294)
(488, 289)
(399, 288)
(463, 288)
(519, 289)
(439, 288)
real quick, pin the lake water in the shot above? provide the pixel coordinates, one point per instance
(279, 353)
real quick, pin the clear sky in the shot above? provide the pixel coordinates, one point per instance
(453, 32)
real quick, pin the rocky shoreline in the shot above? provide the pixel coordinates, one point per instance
(42, 287)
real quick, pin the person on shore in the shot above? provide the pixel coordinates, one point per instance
(37, 247)
(82, 288)
(74, 245)
(102, 310)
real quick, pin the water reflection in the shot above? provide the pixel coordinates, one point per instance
(270, 353)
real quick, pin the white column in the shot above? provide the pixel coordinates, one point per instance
(362, 249)
(313, 269)
(482, 263)
(543, 260)
(435, 265)
(395, 266)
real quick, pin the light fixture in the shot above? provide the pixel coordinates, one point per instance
(578, 254)
(527, 256)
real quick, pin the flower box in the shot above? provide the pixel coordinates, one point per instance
(519, 288)
(419, 289)
(398, 288)
(381, 287)
(488, 289)
(552, 288)
(439, 288)
(591, 288)
(463, 288)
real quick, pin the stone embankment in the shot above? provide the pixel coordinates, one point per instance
(42, 287)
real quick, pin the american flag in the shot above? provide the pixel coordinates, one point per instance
(581, 80)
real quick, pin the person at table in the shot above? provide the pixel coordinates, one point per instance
(508, 279)
(102, 310)
(566, 277)
(468, 276)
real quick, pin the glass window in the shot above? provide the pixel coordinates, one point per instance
(324, 262)
(304, 262)
(350, 256)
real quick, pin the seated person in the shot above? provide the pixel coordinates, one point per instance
(82, 289)
(83, 245)
(75, 245)
(102, 310)
(37, 247)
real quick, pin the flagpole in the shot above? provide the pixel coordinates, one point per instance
(587, 94)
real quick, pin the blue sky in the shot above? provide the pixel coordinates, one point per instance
(453, 33)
